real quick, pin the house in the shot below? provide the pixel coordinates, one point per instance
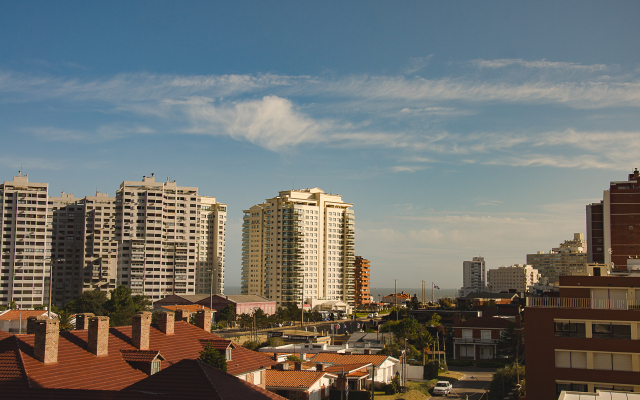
(299, 384)
(585, 340)
(352, 375)
(15, 321)
(385, 366)
(477, 338)
(396, 298)
(242, 304)
(98, 357)
(369, 340)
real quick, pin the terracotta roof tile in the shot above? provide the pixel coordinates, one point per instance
(189, 307)
(348, 368)
(218, 344)
(147, 356)
(111, 372)
(11, 315)
(293, 379)
(340, 359)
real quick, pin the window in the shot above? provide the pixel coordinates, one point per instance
(485, 334)
(467, 333)
(155, 367)
(611, 331)
(570, 329)
(571, 359)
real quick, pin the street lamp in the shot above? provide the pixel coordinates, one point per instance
(51, 284)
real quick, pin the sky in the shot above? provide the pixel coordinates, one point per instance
(457, 129)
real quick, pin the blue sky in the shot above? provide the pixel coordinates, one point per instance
(456, 128)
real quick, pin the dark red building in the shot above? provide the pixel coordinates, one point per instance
(586, 339)
(613, 225)
(363, 281)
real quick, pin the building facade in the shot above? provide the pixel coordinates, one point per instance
(363, 281)
(477, 338)
(25, 223)
(613, 224)
(163, 239)
(567, 259)
(518, 278)
(473, 276)
(585, 340)
(297, 246)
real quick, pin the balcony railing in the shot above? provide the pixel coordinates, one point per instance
(595, 304)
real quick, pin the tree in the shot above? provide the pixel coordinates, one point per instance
(407, 328)
(121, 307)
(89, 302)
(294, 359)
(228, 314)
(415, 303)
(510, 343)
(504, 380)
(445, 303)
(214, 358)
(251, 345)
(64, 317)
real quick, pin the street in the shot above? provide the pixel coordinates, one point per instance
(473, 384)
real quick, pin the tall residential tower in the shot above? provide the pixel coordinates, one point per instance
(298, 246)
(473, 276)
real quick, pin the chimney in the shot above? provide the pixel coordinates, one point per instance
(297, 366)
(45, 348)
(367, 351)
(98, 339)
(182, 315)
(319, 367)
(203, 320)
(140, 330)
(275, 357)
(165, 322)
(82, 320)
(32, 322)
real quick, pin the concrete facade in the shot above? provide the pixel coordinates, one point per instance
(519, 278)
(299, 245)
(473, 276)
(567, 259)
(25, 223)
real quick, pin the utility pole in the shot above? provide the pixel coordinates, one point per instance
(432, 298)
(373, 377)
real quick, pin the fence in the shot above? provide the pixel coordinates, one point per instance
(567, 302)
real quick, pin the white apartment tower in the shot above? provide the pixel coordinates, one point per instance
(25, 223)
(298, 246)
(84, 246)
(519, 278)
(162, 249)
(473, 276)
(567, 259)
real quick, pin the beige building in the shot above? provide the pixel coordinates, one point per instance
(299, 246)
(514, 277)
(26, 242)
(84, 246)
(163, 248)
(569, 258)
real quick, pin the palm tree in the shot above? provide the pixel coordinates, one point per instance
(64, 316)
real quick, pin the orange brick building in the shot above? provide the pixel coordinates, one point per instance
(363, 281)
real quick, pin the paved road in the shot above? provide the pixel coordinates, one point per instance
(473, 384)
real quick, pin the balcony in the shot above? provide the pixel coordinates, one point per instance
(583, 303)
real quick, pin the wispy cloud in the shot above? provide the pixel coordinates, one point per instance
(507, 62)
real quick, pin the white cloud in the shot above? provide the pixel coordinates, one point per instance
(506, 62)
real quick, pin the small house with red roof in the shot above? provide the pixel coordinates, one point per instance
(15, 321)
(477, 338)
(385, 366)
(300, 384)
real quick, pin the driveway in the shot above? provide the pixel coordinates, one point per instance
(473, 384)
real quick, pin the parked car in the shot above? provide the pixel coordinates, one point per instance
(442, 388)
(370, 316)
(375, 314)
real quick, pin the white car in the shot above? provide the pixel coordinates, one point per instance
(370, 316)
(442, 388)
(375, 314)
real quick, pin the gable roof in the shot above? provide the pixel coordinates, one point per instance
(348, 368)
(78, 369)
(218, 344)
(245, 298)
(293, 379)
(145, 356)
(484, 322)
(344, 359)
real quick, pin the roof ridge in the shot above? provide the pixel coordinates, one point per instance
(22, 366)
(200, 365)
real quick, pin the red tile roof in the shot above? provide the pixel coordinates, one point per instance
(11, 315)
(189, 307)
(293, 379)
(147, 356)
(218, 344)
(344, 359)
(12, 375)
(78, 369)
(348, 368)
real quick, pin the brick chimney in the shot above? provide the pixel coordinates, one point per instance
(32, 322)
(182, 315)
(203, 320)
(45, 348)
(166, 321)
(140, 330)
(82, 320)
(98, 339)
(297, 366)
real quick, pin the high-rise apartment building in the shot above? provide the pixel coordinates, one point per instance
(298, 246)
(163, 248)
(569, 258)
(26, 243)
(518, 278)
(613, 225)
(363, 281)
(473, 276)
(84, 246)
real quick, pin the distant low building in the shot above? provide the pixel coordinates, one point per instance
(15, 321)
(242, 304)
(396, 298)
(514, 278)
